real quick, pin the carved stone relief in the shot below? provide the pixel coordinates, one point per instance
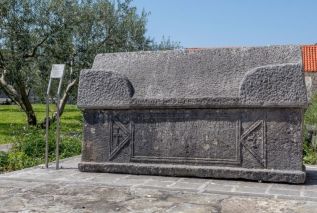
(253, 141)
(120, 135)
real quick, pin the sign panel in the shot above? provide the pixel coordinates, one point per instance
(57, 70)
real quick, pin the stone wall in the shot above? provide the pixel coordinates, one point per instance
(311, 76)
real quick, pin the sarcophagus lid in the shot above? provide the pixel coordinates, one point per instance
(268, 76)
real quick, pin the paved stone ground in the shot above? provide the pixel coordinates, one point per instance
(68, 190)
(5, 147)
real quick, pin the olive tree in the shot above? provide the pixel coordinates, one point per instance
(35, 34)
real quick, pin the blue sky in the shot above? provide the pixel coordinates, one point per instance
(214, 23)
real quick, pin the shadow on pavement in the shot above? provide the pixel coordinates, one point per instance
(311, 176)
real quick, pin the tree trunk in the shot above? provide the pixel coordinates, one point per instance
(20, 97)
(31, 118)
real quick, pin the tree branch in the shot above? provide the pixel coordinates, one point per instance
(66, 95)
(62, 104)
(36, 47)
(42, 42)
(108, 36)
(2, 64)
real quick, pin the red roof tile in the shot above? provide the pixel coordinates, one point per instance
(309, 55)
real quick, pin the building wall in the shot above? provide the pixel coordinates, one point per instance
(313, 87)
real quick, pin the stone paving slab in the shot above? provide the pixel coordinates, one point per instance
(67, 190)
(5, 147)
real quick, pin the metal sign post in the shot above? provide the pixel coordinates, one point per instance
(57, 72)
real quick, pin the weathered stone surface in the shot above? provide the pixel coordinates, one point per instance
(309, 87)
(274, 84)
(226, 113)
(5, 147)
(102, 87)
(311, 82)
(208, 77)
(196, 171)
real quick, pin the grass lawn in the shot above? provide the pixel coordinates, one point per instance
(13, 119)
(29, 142)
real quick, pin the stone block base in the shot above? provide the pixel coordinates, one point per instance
(267, 175)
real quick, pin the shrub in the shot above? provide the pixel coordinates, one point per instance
(3, 160)
(310, 152)
(29, 148)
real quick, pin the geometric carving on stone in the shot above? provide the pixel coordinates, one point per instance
(253, 141)
(120, 135)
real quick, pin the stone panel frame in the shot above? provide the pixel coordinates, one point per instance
(151, 159)
(127, 135)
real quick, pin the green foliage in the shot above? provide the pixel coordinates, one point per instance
(310, 117)
(19, 160)
(310, 154)
(29, 148)
(12, 118)
(3, 160)
(35, 34)
(29, 142)
(311, 112)
(166, 44)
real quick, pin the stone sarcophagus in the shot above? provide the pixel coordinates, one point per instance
(220, 113)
